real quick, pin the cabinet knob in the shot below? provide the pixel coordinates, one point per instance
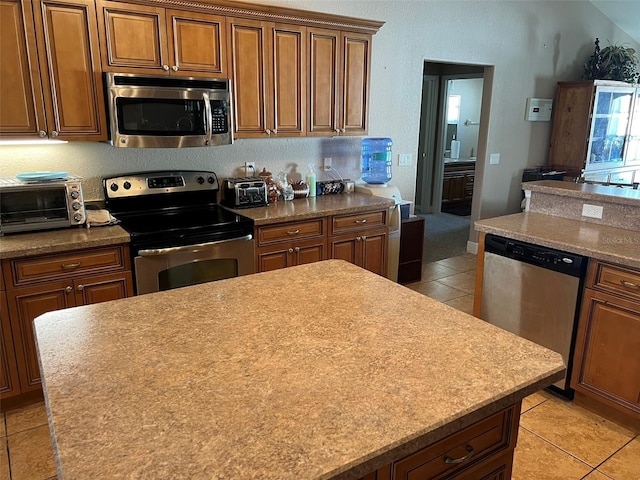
(68, 289)
(175, 68)
(165, 67)
(42, 134)
(343, 130)
(54, 134)
(80, 287)
(297, 249)
(364, 237)
(291, 250)
(358, 239)
(268, 132)
(275, 131)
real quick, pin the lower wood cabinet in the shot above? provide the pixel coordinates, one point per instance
(360, 238)
(9, 380)
(40, 284)
(482, 451)
(457, 183)
(606, 374)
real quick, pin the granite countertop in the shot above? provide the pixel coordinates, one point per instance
(585, 191)
(313, 207)
(288, 374)
(61, 240)
(602, 242)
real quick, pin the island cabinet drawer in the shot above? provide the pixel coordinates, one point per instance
(286, 232)
(24, 271)
(615, 279)
(463, 450)
(357, 222)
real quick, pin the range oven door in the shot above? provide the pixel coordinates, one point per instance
(166, 268)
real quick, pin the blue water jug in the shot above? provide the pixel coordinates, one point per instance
(376, 160)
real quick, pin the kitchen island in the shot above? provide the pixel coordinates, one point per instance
(317, 371)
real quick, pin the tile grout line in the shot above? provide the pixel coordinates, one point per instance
(561, 449)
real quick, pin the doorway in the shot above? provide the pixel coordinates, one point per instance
(450, 134)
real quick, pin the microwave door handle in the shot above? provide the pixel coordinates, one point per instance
(152, 252)
(208, 121)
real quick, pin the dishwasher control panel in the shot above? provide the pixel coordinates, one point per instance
(546, 257)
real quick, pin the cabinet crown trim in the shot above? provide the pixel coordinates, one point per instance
(271, 13)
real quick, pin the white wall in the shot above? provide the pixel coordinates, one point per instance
(532, 44)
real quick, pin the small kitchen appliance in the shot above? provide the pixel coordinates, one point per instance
(159, 111)
(180, 235)
(245, 192)
(40, 201)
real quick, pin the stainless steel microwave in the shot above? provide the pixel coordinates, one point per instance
(27, 207)
(148, 111)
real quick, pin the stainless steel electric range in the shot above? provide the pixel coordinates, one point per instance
(180, 235)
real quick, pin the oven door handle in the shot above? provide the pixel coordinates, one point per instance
(153, 252)
(208, 124)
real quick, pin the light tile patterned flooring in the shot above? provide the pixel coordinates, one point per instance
(557, 440)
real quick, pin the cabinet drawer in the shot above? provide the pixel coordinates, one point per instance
(476, 443)
(616, 279)
(358, 222)
(287, 232)
(48, 267)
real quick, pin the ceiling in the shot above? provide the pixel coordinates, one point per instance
(624, 13)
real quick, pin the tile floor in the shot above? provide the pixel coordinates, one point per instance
(557, 439)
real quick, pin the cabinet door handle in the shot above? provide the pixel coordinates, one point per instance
(165, 67)
(297, 249)
(42, 134)
(358, 239)
(364, 237)
(54, 134)
(69, 266)
(293, 232)
(268, 132)
(624, 283)
(68, 289)
(80, 287)
(364, 220)
(291, 250)
(175, 68)
(470, 453)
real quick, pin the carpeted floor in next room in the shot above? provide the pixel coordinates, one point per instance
(445, 236)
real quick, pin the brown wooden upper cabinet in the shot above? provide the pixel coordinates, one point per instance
(268, 70)
(148, 39)
(339, 71)
(55, 89)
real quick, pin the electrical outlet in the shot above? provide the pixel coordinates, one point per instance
(249, 169)
(592, 211)
(404, 159)
(326, 165)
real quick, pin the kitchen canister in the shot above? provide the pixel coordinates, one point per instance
(376, 160)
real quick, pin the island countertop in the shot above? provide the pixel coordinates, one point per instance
(309, 372)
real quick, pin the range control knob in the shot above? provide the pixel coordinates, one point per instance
(114, 187)
(77, 217)
(76, 205)
(200, 180)
(126, 185)
(75, 194)
(210, 180)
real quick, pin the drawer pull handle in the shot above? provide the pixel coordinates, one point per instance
(629, 284)
(293, 232)
(68, 266)
(364, 220)
(470, 453)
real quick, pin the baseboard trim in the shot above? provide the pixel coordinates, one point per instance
(472, 247)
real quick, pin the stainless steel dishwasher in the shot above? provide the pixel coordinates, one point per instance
(534, 292)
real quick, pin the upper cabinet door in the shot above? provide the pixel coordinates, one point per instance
(249, 73)
(69, 60)
(339, 73)
(356, 59)
(610, 122)
(22, 112)
(133, 37)
(197, 44)
(323, 82)
(288, 95)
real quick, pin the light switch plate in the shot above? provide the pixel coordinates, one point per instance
(404, 159)
(494, 159)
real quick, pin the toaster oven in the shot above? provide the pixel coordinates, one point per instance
(41, 205)
(245, 192)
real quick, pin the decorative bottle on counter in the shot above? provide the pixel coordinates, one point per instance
(311, 180)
